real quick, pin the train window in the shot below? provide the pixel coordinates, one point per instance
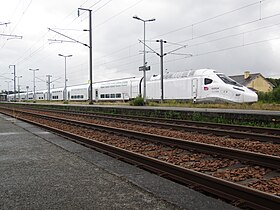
(207, 81)
(82, 96)
(118, 95)
(228, 80)
(102, 96)
(113, 96)
(107, 96)
(238, 89)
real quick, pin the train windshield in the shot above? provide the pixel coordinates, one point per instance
(228, 80)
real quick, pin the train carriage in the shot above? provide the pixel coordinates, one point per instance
(3, 97)
(57, 94)
(78, 93)
(117, 90)
(41, 95)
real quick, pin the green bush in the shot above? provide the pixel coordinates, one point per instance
(138, 101)
(270, 97)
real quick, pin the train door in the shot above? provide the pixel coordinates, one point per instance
(194, 89)
(134, 89)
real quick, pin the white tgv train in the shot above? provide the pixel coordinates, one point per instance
(203, 85)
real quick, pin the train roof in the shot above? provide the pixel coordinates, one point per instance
(184, 74)
(78, 86)
(114, 80)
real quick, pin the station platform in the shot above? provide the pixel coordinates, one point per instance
(40, 170)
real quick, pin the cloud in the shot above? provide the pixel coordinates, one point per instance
(209, 28)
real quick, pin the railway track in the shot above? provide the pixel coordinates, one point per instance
(234, 131)
(167, 162)
(268, 148)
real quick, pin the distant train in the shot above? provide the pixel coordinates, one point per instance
(203, 85)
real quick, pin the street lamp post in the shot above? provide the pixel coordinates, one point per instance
(144, 59)
(34, 86)
(65, 79)
(18, 77)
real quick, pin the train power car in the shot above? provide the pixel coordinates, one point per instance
(203, 85)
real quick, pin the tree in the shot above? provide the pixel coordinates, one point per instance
(275, 82)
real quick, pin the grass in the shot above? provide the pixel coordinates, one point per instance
(196, 116)
(173, 103)
(254, 106)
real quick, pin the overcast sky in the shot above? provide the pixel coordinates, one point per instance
(231, 36)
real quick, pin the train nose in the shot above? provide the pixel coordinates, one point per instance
(250, 96)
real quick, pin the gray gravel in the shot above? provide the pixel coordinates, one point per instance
(40, 170)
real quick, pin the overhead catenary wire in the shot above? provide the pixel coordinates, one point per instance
(228, 28)
(191, 45)
(212, 52)
(42, 46)
(119, 13)
(20, 19)
(193, 55)
(122, 64)
(202, 21)
(42, 38)
(226, 49)
(65, 17)
(208, 19)
(212, 18)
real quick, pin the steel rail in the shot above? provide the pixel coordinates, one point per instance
(234, 131)
(252, 129)
(216, 129)
(246, 196)
(252, 157)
